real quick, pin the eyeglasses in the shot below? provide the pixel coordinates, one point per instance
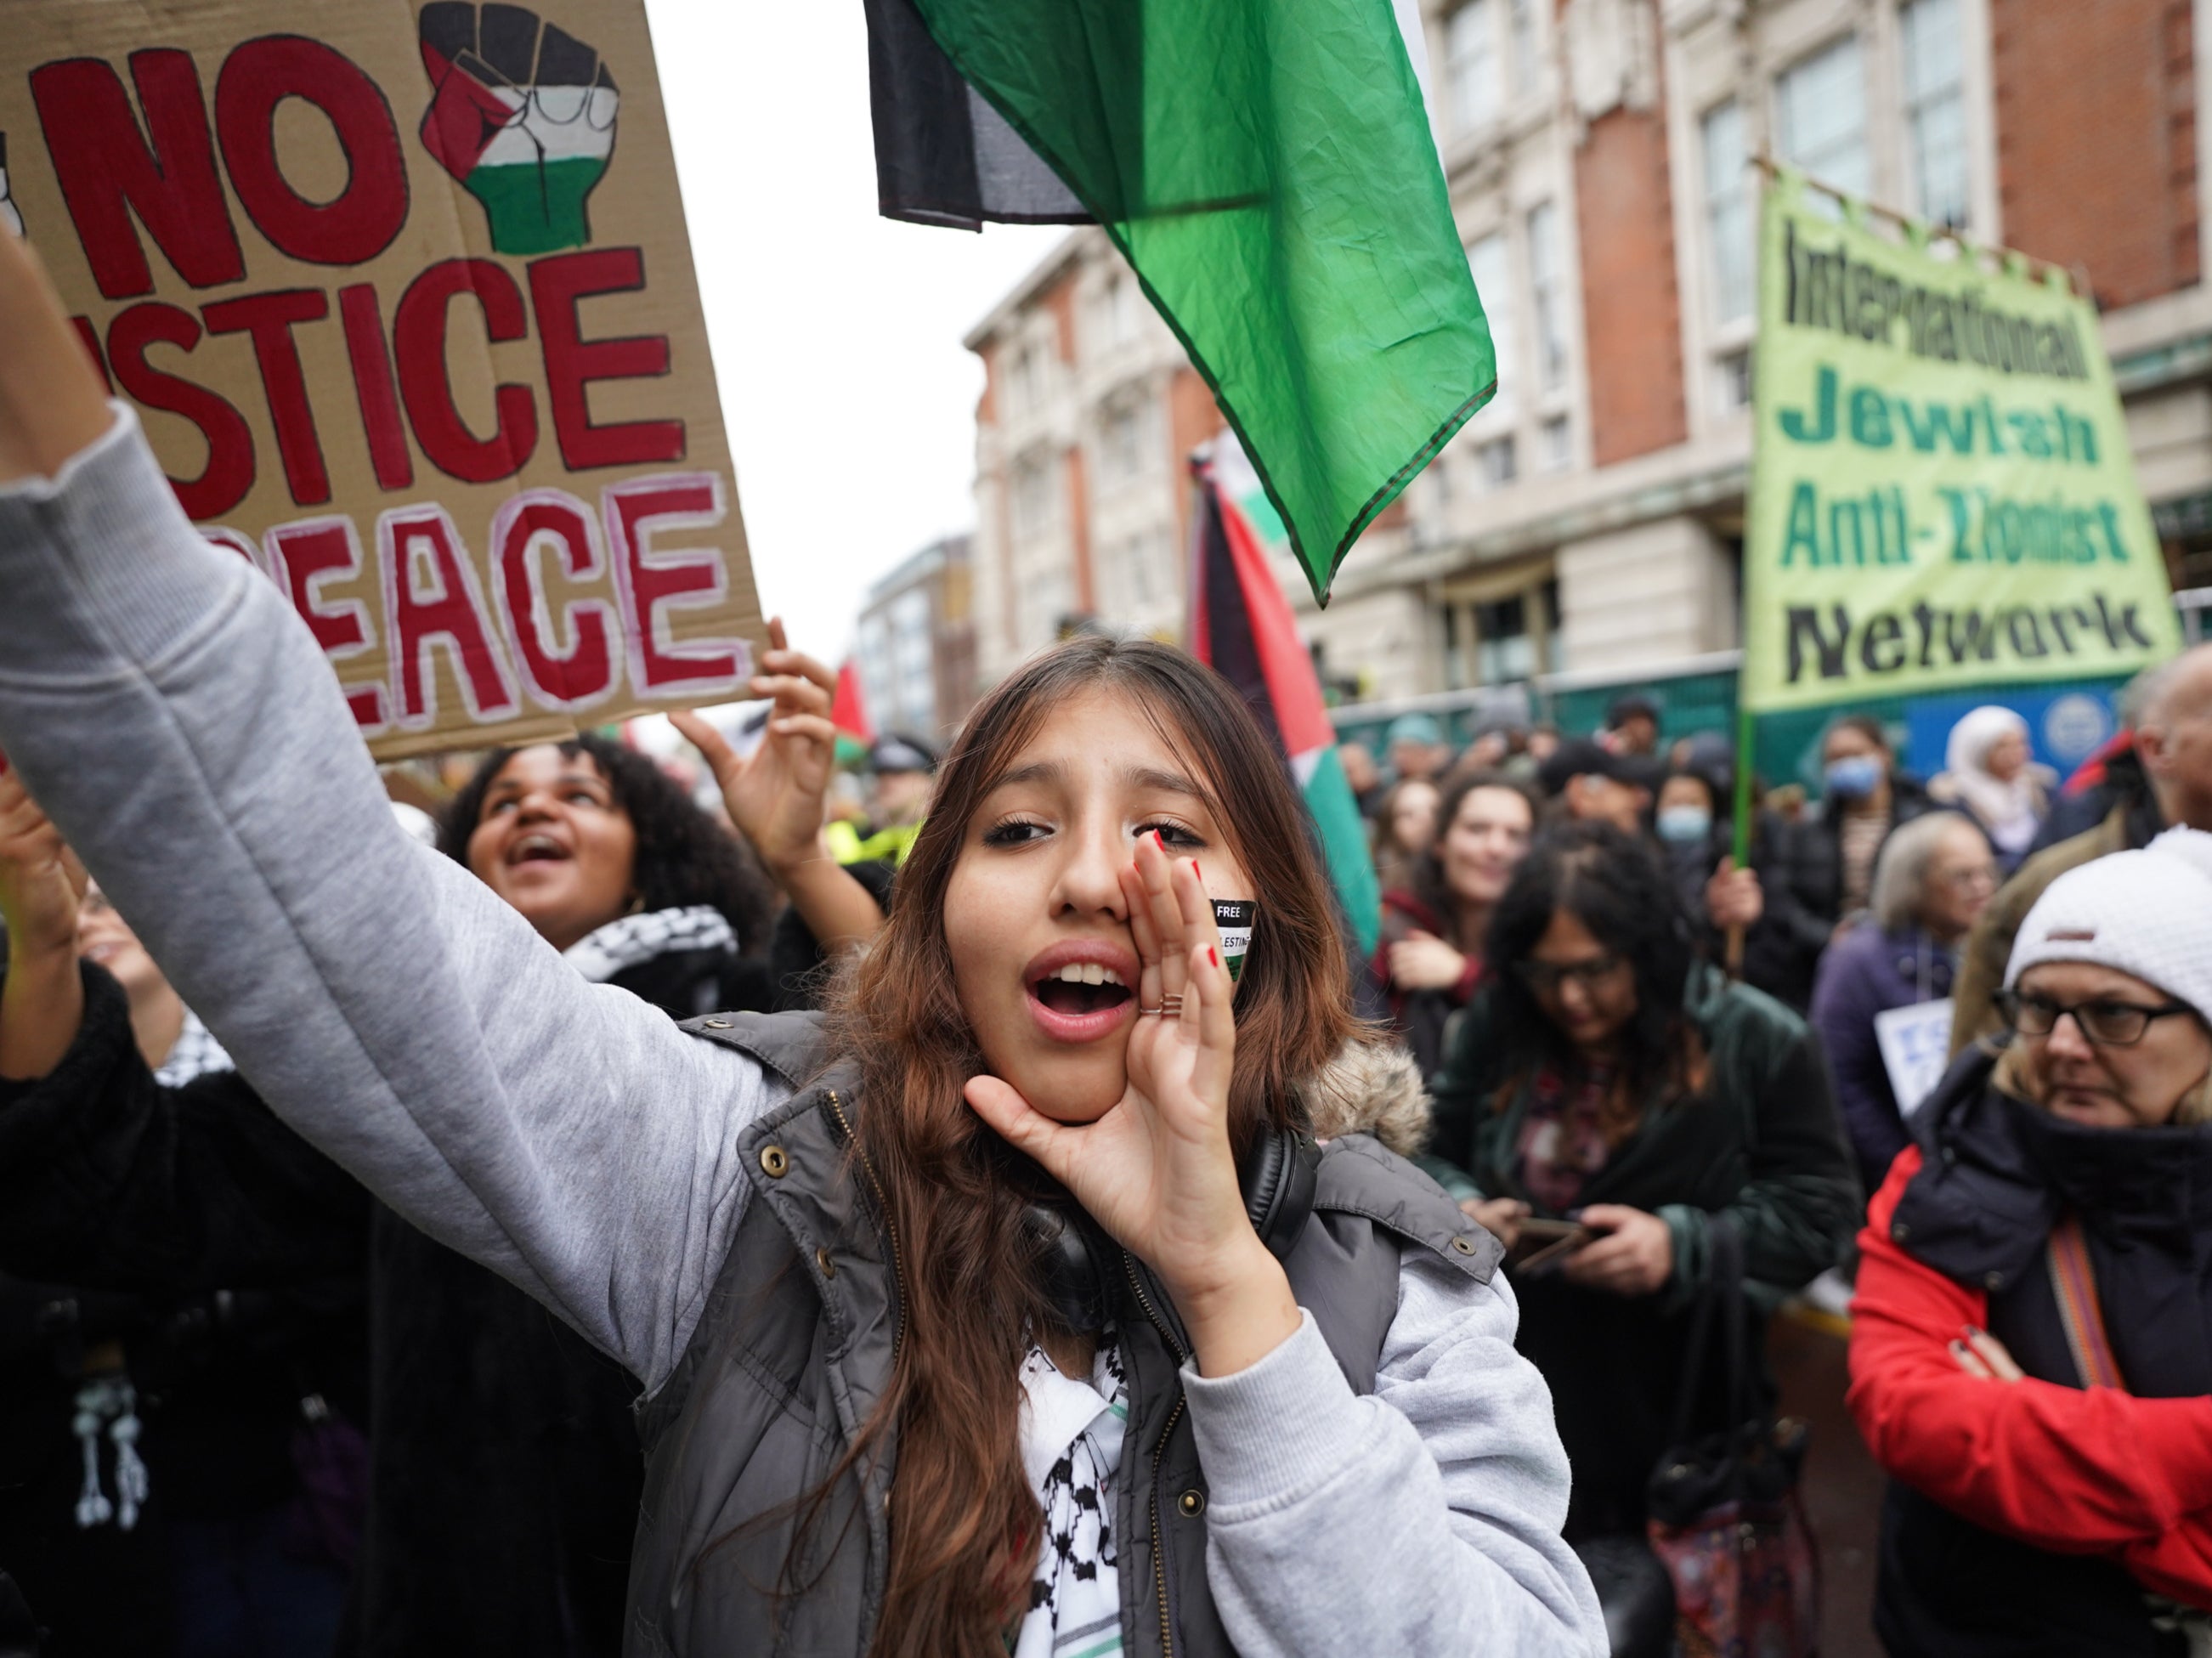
(1966, 880)
(2107, 1024)
(1546, 978)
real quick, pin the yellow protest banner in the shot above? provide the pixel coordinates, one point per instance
(1942, 494)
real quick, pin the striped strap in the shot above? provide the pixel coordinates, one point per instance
(2075, 1284)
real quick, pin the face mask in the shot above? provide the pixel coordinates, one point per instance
(1853, 779)
(1681, 825)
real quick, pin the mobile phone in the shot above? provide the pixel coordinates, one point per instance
(1556, 1250)
(1549, 1231)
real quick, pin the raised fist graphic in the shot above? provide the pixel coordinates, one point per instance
(522, 115)
(9, 218)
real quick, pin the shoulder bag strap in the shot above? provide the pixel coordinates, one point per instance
(2074, 1282)
(1722, 1298)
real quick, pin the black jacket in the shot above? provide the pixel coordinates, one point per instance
(220, 1369)
(1763, 1144)
(506, 1468)
(1804, 892)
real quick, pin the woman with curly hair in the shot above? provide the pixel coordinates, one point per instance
(504, 1468)
(607, 856)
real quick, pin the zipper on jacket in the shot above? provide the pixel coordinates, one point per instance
(1159, 1553)
(1136, 1284)
(884, 1208)
(1159, 1452)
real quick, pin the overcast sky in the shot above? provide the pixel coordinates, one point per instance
(837, 332)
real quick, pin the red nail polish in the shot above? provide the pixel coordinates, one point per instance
(1215, 954)
(1158, 841)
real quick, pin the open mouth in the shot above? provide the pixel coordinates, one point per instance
(538, 849)
(1080, 989)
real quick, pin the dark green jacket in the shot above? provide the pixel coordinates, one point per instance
(1764, 1143)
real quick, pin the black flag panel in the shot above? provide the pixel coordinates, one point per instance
(943, 155)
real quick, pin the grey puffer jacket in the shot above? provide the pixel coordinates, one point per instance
(402, 1017)
(798, 1343)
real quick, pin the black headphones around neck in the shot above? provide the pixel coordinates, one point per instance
(1278, 1176)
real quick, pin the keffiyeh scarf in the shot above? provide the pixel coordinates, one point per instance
(195, 1054)
(630, 940)
(1072, 1447)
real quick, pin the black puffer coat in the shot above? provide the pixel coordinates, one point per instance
(1804, 891)
(506, 1467)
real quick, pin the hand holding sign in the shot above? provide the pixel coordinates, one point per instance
(523, 116)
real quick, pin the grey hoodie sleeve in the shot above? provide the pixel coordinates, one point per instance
(1422, 1520)
(176, 721)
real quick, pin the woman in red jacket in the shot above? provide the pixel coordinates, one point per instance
(2032, 1354)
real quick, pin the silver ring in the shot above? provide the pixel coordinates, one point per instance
(1171, 1006)
(1146, 1012)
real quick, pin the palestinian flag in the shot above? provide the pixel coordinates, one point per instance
(848, 713)
(1241, 626)
(1267, 168)
(523, 114)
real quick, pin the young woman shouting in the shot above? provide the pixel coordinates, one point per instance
(858, 1267)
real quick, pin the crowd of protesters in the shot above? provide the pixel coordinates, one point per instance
(714, 1212)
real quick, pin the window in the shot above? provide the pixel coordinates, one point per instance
(914, 661)
(1024, 379)
(1045, 599)
(1548, 296)
(1119, 312)
(1504, 648)
(1036, 496)
(1493, 283)
(1819, 118)
(875, 654)
(1732, 381)
(1558, 443)
(1727, 212)
(1521, 20)
(1124, 440)
(1936, 108)
(1497, 461)
(1471, 76)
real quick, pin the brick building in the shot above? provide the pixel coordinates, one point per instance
(1090, 411)
(1587, 524)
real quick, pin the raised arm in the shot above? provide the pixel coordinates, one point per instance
(183, 731)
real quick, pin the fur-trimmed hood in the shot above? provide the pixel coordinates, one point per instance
(1370, 1088)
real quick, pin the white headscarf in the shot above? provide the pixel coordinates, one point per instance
(2008, 811)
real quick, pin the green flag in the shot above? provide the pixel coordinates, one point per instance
(1265, 167)
(1943, 493)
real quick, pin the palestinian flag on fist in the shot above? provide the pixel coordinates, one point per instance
(523, 114)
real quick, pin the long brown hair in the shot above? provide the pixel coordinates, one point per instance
(965, 1526)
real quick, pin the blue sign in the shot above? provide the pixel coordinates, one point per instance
(2066, 724)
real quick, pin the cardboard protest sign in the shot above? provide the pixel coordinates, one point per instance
(404, 296)
(1943, 493)
(1915, 1044)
